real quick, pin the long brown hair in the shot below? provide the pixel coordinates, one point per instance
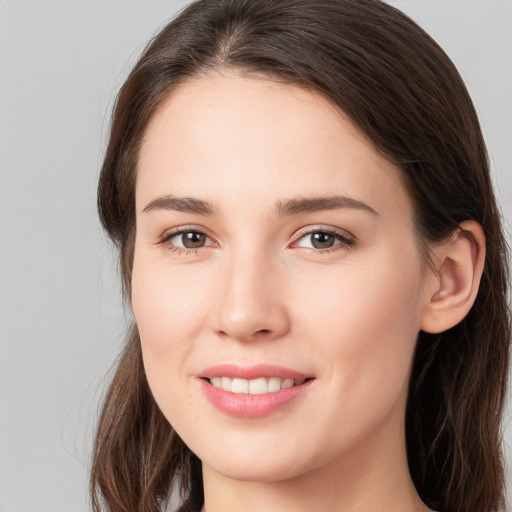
(406, 96)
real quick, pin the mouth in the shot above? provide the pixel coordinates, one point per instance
(259, 386)
(255, 391)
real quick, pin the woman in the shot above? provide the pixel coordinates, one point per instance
(313, 254)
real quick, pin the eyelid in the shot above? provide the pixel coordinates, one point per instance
(168, 235)
(346, 238)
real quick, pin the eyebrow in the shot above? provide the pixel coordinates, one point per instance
(282, 208)
(314, 204)
(180, 204)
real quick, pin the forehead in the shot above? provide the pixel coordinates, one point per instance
(227, 137)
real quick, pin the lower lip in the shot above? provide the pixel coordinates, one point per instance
(252, 406)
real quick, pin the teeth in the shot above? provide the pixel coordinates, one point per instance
(258, 386)
(240, 386)
(274, 384)
(255, 386)
(287, 383)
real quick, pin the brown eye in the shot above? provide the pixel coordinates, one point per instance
(187, 239)
(193, 239)
(322, 240)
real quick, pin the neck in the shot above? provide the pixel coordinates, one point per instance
(374, 477)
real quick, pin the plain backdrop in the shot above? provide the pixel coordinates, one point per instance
(61, 319)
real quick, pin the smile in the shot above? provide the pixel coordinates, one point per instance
(255, 386)
(251, 392)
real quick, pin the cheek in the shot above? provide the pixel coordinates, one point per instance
(365, 324)
(169, 308)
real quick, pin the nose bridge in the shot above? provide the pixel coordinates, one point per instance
(250, 303)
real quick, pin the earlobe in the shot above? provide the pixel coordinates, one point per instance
(452, 286)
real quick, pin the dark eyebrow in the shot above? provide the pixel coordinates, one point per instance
(313, 204)
(289, 207)
(180, 204)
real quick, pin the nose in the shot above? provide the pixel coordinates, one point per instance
(252, 302)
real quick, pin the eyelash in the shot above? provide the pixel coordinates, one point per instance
(344, 240)
(167, 237)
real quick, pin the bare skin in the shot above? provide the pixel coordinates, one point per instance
(337, 291)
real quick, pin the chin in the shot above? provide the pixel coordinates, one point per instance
(250, 460)
(271, 466)
(257, 470)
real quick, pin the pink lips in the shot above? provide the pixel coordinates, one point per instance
(251, 372)
(246, 405)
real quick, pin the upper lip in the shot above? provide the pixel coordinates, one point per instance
(251, 372)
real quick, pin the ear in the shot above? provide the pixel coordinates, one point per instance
(452, 285)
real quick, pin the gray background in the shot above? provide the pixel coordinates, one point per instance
(61, 321)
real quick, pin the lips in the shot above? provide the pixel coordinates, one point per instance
(252, 372)
(254, 391)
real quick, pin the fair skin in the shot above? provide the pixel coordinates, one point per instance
(253, 272)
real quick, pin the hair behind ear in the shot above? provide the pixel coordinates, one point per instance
(457, 385)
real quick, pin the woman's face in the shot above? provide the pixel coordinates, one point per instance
(273, 243)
